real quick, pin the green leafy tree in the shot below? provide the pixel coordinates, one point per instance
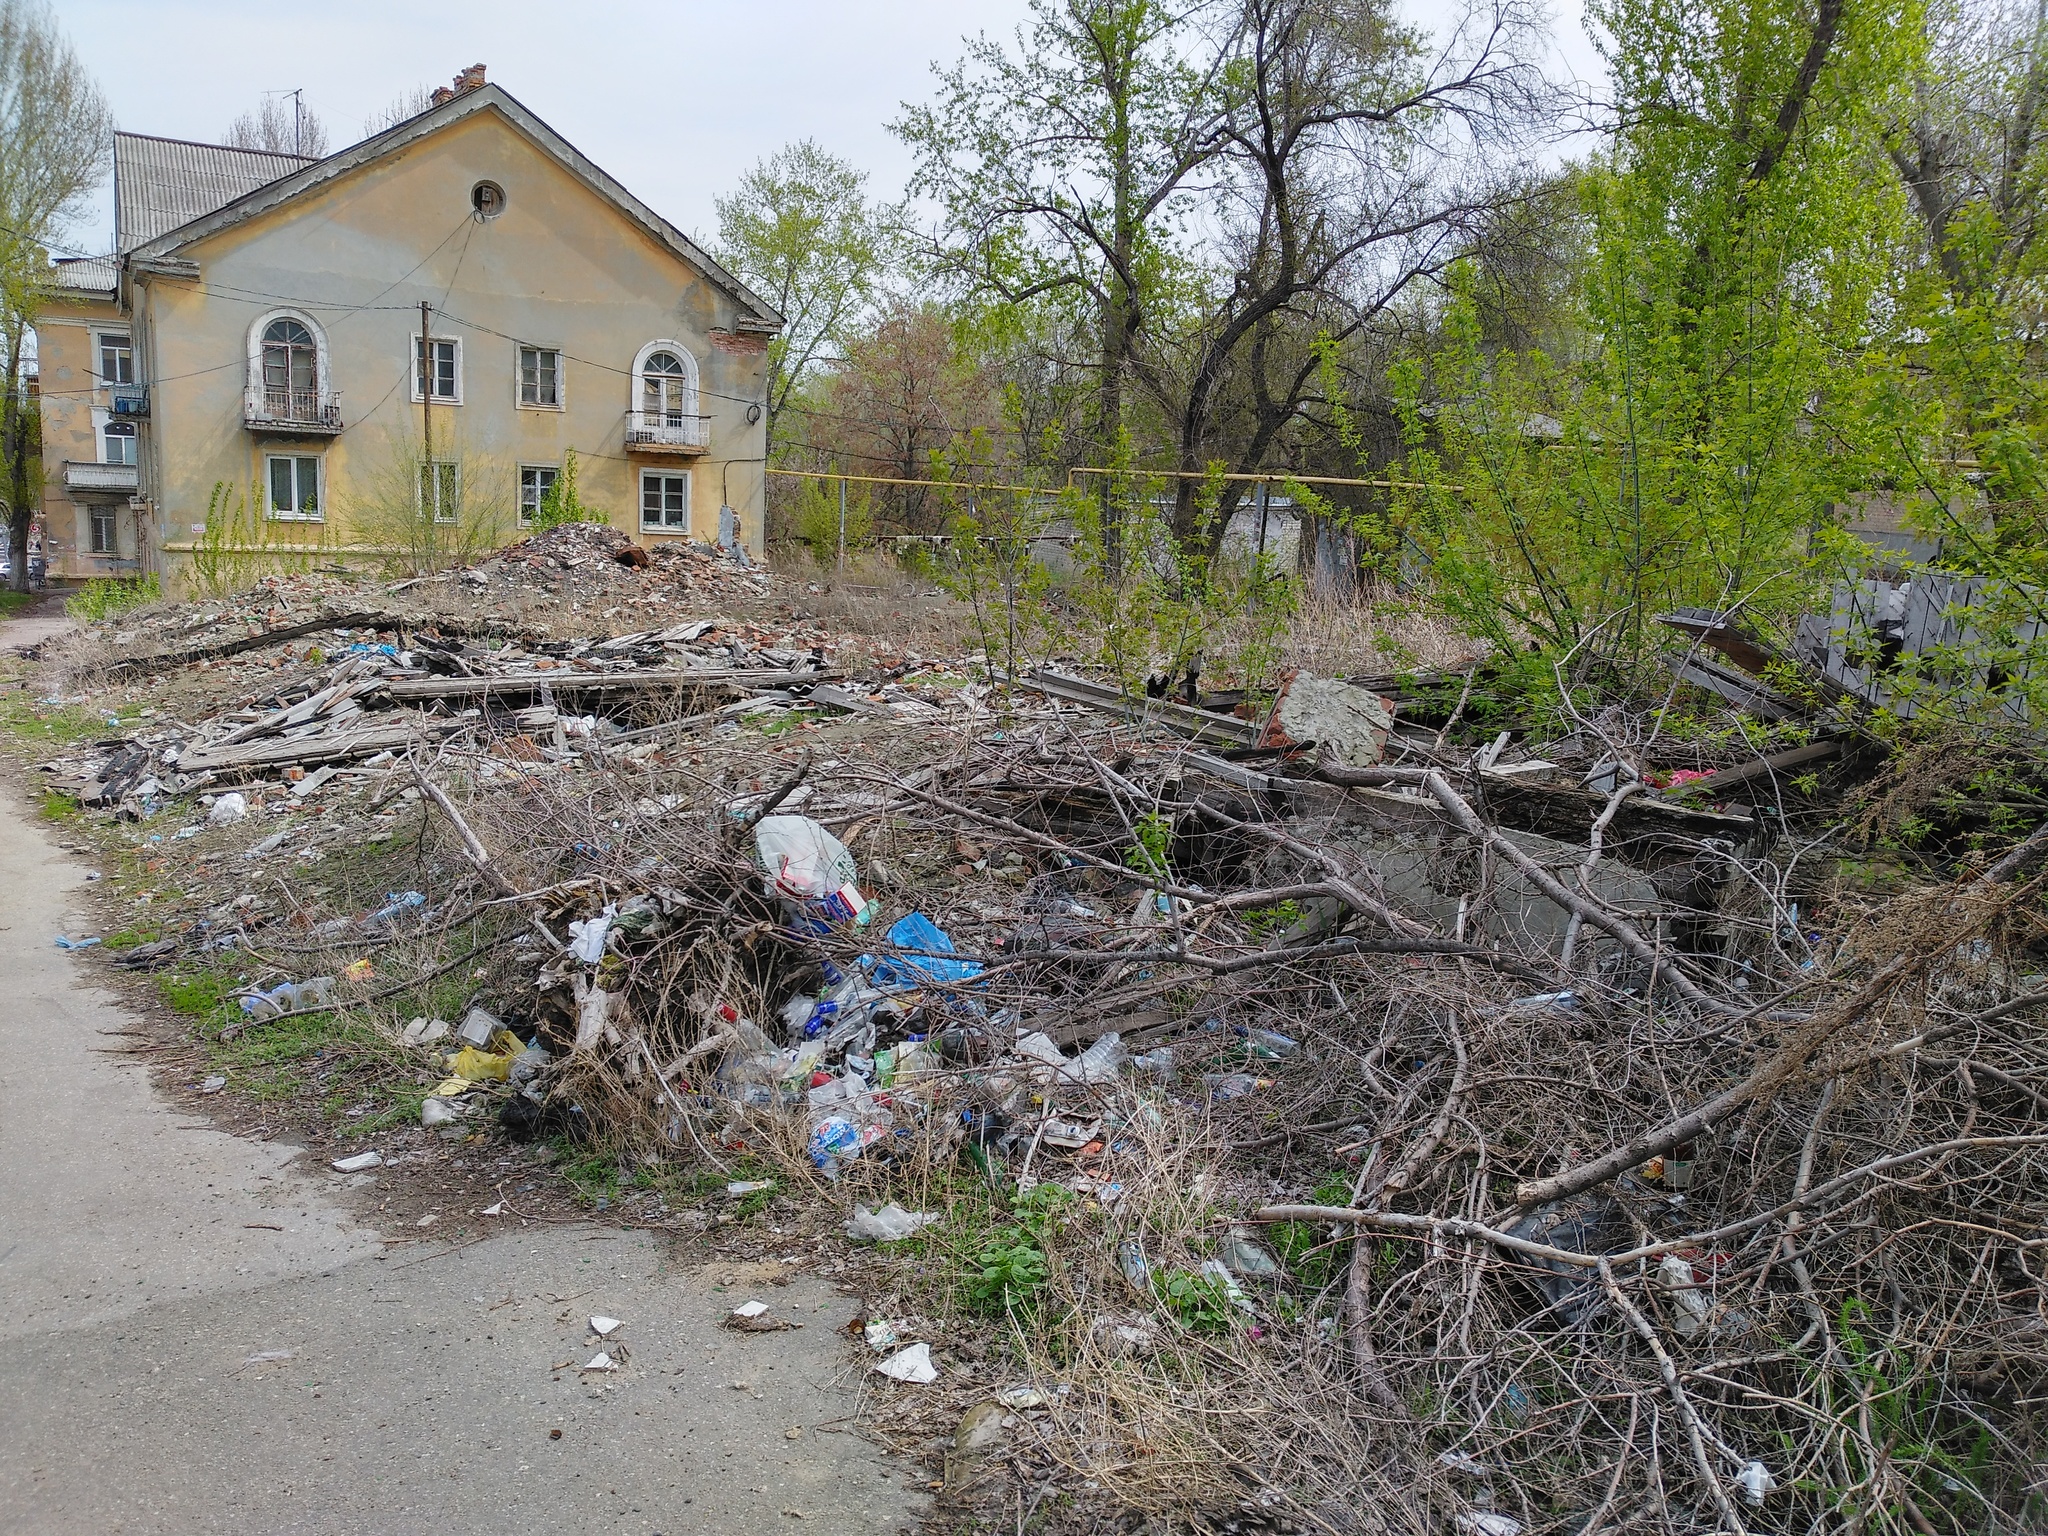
(1732, 387)
(1063, 167)
(559, 503)
(55, 139)
(801, 230)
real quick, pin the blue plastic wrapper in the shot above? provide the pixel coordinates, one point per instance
(918, 932)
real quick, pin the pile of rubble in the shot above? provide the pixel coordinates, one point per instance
(1562, 1114)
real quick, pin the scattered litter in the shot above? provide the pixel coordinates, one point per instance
(229, 808)
(1756, 1483)
(65, 942)
(214, 1084)
(604, 1327)
(890, 1224)
(912, 1364)
(358, 1162)
(423, 1031)
(881, 1334)
(602, 1361)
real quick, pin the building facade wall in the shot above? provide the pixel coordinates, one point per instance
(75, 403)
(559, 268)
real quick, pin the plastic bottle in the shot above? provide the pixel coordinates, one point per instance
(1228, 1085)
(833, 1140)
(1130, 1258)
(1101, 1062)
(1156, 1064)
(1270, 1044)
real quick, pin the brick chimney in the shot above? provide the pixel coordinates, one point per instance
(469, 79)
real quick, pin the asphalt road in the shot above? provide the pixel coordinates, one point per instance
(200, 1336)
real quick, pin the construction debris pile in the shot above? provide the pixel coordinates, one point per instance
(1455, 1135)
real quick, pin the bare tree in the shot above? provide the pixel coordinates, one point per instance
(283, 124)
(410, 104)
(1970, 154)
(1361, 159)
(55, 141)
(1064, 167)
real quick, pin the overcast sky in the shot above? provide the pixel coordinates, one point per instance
(675, 99)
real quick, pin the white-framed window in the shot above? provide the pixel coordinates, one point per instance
(117, 360)
(117, 442)
(534, 482)
(288, 378)
(293, 486)
(663, 405)
(664, 501)
(540, 378)
(437, 369)
(101, 524)
(440, 491)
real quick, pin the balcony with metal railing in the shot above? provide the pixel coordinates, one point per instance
(291, 412)
(667, 432)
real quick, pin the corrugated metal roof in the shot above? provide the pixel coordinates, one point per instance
(160, 184)
(89, 274)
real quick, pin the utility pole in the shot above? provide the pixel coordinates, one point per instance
(299, 121)
(429, 484)
(1264, 487)
(842, 522)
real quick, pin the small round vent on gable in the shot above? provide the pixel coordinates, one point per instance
(488, 199)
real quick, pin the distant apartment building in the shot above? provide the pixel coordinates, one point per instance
(463, 294)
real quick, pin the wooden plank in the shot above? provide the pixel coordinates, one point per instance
(337, 746)
(567, 680)
(1723, 635)
(149, 666)
(1764, 767)
(1740, 689)
(1200, 724)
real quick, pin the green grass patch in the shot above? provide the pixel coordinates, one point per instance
(343, 1058)
(58, 806)
(12, 602)
(593, 1174)
(108, 597)
(397, 1105)
(130, 938)
(195, 995)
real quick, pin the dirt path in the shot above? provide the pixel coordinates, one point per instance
(148, 1258)
(31, 626)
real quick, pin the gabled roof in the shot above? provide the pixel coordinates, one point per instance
(84, 274)
(160, 184)
(311, 176)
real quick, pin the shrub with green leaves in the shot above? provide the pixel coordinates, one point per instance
(108, 597)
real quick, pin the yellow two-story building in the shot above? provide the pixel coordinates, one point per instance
(306, 355)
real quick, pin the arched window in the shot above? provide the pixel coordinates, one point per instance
(289, 383)
(664, 386)
(664, 410)
(290, 367)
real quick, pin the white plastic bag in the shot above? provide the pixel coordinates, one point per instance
(912, 1364)
(804, 861)
(587, 944)
(891, 1224)
(1756, 1481)
(1689, 1307)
